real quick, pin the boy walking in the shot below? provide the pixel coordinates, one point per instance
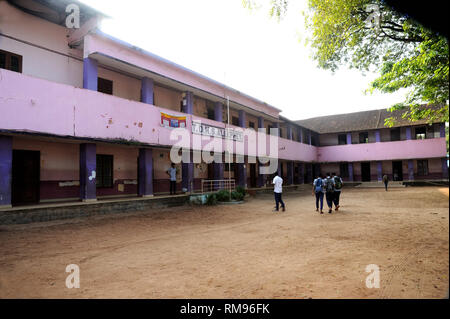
(318, 191)
(278, 190)
(337, 190)
(329, 192)
(385, 181)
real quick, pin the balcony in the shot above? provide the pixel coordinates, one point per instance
(35, 105)
(408, 149)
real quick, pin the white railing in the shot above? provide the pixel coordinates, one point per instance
(212, 185)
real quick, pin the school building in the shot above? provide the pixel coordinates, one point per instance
(86, 116)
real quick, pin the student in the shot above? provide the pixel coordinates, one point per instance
(337, 190)
(329, 192)
(385, 181)
(172, 172)
(318, 191)
(278, 190)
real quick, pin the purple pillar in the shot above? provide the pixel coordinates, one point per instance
(187, 169)
(410, 170)
(377, 136)
(300, 176)
(218, 112)
(241, 168)
(444, 168)
(408, 133)
(147, 90)
(290, 173)
(379, 171)
(289, 132)
(349, 138)
(350, 172)
(188, 102)
(145, 186)
(5, 170)
(90, 74)
(442, 130)
(88, 167)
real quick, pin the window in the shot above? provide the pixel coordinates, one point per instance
(104, 171)
(235, 120)
(363, 137)
(210, 113)
(395, 134)
(421, 133)
(422, 167)
(10, 61)
(342, 139)
(105, 86)
(343, 169)
(251, 125)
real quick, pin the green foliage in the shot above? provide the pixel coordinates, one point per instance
(238, 196)
(241, 190)
(369, 35)
(223, 195)
(211, 199)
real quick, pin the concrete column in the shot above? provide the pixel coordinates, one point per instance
(218, 112)
(442, 130)
(350, 172)
(379, 171)
(444, 168)
(377, 136)
(349, 138)
(90, 74)
(290, 173)
(241, 167)
(309, 137)
(5, 170)
(277, 126)
(188, 102)
(279, 168)
(88, 167)
(410, 170)
(145, 187)
(147, 90)
(260, 178)
(187, 169)
(408, 133)
(300, 176)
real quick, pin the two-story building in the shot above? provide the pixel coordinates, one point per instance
(87, 116)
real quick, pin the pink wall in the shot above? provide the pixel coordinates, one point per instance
(36, 105)
(94, 43)
(383, 151)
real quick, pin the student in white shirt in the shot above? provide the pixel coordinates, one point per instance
(172, 172)
(278, 190)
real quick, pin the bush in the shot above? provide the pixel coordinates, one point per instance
(235, 195)
(211, 199)
(223, 195)
(241, 190)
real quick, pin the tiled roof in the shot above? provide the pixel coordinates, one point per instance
(357, 121)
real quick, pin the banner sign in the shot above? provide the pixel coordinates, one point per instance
(172, 121)
(208, 130)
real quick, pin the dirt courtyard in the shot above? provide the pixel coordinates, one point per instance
(240, 251)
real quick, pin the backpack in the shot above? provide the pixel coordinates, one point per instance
(319, 185)
(330, 186)
(337, 182)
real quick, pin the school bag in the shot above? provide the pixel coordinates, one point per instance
(318, 185)
(330, 186)
(337, 183)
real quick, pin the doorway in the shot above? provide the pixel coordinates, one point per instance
(25, 177)
(252, 175)
(397, 171)
(365, 172)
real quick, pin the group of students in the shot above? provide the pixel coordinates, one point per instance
(330, 187)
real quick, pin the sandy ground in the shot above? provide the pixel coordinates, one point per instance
(240, 251)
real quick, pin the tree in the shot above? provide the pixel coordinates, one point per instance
(369, 35)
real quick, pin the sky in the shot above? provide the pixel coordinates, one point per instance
(244, 49)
